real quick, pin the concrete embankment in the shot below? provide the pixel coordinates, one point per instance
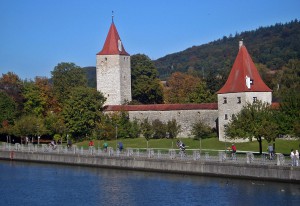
(221, 169)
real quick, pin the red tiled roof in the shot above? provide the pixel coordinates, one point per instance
(162, 107)
(243, 68)
(113, 44)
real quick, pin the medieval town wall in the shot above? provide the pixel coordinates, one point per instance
(185, 118)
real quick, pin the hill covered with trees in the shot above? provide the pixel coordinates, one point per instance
(271, 46)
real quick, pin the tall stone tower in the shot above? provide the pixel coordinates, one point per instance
(113, 69)
(244, 85)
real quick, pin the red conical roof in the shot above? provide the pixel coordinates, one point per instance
(113, 44)
(244, 76)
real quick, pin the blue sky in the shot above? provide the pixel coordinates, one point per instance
(36, 35)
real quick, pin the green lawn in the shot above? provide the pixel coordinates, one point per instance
(281, 146)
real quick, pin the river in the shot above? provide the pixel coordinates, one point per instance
(26, 183)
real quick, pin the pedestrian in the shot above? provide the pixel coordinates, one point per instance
(91, 143)
(233, 151)
(69, 143)
(120, 146)
(105, 146)
(270, 150)
(296, 158)
(292, 155)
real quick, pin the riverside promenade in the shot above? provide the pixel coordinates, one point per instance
(247, 166)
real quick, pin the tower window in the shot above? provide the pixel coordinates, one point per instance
(226, 116)
(254, 99)
(239, 100)
(225, 100)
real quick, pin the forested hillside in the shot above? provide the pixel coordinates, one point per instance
(272, 46)
(91, 76)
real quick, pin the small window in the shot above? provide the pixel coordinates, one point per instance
(105, 58)
(254, 99)
(226, 116)
(225, 100)
(239, 100)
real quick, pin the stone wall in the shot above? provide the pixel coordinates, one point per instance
(185, 118)
(185, 114)
(247, 171)
(114, 78)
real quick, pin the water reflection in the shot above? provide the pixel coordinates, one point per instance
(45, 184)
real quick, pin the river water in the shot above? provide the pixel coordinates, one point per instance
(25, 183)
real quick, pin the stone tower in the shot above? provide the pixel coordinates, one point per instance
(244, 85)
(113, 70)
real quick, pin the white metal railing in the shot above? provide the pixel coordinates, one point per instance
(194, 155)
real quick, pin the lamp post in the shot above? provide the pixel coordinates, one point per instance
(116, 136)
(225, 145)
(200, 144)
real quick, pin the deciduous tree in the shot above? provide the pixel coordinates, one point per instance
(65, 77)
(253, 121)
(11, 84)
(146, 87)
(82, 109)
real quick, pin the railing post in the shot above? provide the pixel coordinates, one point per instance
(222, 156)
(158, 154)
(196, 155)
(172, 153)
(207, 156)
(249, 158)
(280, 159)
(150, 153)
(110, 151)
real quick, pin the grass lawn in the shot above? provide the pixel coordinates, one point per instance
(281, 146)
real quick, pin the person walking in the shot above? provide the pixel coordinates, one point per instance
(270, 150)
(91, 146)
(296, 158)
(233, 151)
(292, 155)
(120, 146)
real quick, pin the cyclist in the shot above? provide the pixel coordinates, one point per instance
(181, 146)
(52, 144)
(105, 146)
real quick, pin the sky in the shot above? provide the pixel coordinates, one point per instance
(36, 35)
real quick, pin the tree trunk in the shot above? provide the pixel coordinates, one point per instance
(260, 145)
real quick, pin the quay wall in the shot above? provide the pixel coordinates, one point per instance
(191, 167)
